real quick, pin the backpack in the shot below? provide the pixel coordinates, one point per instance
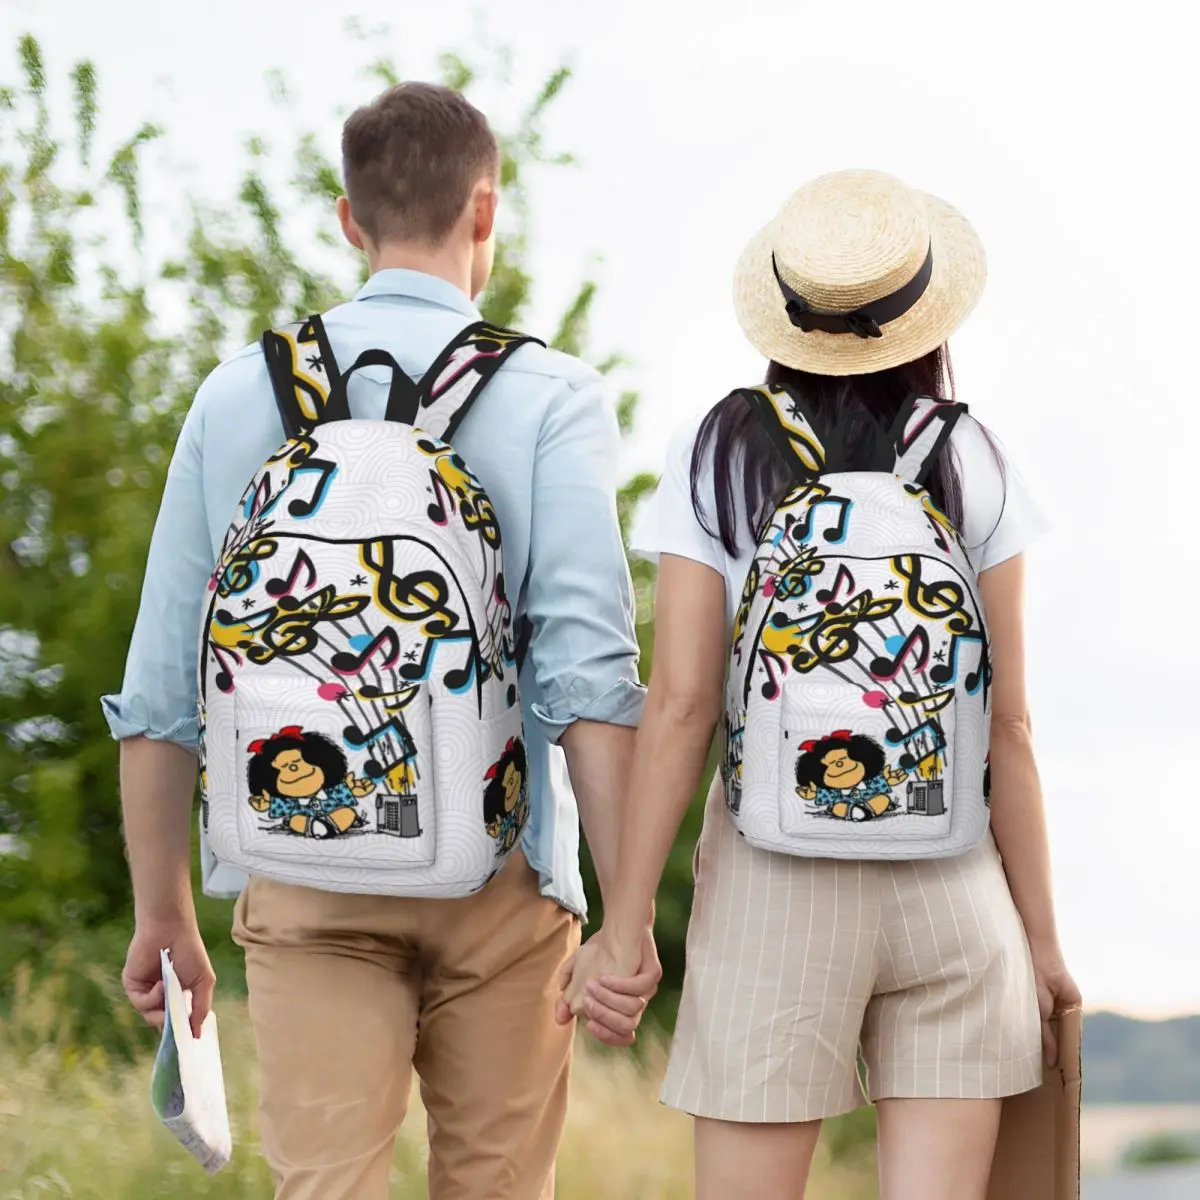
(359, 710)
(857, 702)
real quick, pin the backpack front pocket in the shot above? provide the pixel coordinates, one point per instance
(851, 770)
(323, 780)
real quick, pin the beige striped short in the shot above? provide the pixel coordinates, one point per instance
(796, 965)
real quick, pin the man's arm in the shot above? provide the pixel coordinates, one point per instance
(579, 599)
(155, 717)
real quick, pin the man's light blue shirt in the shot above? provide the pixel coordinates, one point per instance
(544, 442)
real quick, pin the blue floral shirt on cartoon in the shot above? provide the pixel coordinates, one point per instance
(847, 776)
(332, 798)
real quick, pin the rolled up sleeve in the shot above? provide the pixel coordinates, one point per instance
(158, 697)
(579, 596)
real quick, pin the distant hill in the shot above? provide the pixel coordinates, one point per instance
(1140, 1062)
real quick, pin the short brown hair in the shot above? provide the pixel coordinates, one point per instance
(410, 159)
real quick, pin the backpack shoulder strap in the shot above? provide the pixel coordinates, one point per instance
(790, 424)
(304, 376)
(460, 373)
(919, 433)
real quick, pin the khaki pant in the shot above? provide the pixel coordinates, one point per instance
(349, 993)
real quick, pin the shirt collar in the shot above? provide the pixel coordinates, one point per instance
(397, 281)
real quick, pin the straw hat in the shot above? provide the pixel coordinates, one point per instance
(857, 273)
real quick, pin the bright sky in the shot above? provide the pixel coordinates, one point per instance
(1063, 133)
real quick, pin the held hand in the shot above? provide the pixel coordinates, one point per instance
(142, 977)
(1056, 992)
(610, 988)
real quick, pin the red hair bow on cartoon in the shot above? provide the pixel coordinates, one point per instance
(508, 749)
(838, 735)
(288, 731)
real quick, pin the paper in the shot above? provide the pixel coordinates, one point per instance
(187, 1087)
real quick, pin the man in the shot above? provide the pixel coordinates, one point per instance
(348, 992)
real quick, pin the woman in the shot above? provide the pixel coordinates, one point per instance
(934, 969)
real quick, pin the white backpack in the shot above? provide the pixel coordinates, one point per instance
(359, 713)
(857, 703)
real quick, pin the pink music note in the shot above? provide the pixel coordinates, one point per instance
(443, 500)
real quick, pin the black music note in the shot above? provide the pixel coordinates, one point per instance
(826, 595)
(392, 727)
(392, 701)
(224, 675)
(347, 662)
(916, 643)
(457, 679)
(772, 687)
(947, 672)
(939, 534)
(933, 702)
(802, 530)
(927, 729)
(311, 466)
(443, 500)
(284, 587)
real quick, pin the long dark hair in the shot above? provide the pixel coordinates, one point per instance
(854, 414)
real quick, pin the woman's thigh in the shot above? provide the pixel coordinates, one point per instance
(936, 1149)
(737, 1161)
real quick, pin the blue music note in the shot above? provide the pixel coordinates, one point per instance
(836, 533)
(930, 730)
(457, 679)
(327, 472)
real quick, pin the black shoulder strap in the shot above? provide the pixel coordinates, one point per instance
(460, 373)
(304, 376)
(788, 420)
(919, 433)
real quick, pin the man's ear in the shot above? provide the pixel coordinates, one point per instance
(350, 229)
(486, 199)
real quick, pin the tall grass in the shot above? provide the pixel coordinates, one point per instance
(76, 1122)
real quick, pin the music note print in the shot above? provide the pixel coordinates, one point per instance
(285, 587)
(391, 701)
(939, 535)
(421, 596)
(443, 501)
(827, 596)
(241, 571)
(916, 645)
(929, 703)
(385, 644)
(326, 473)
(457, 679)
(772, 686)
(942, 599)
(224, 675)
(945, 670)
(361, 738)
(836, 533)
(930, 739)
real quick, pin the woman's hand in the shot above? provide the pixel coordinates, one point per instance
(610, 986)
(1056, 992)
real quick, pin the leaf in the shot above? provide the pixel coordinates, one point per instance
(84, 79)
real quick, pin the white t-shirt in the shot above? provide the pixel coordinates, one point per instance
(1000, 518)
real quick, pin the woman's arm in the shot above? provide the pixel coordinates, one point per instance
(1018, 814)
(683, 704)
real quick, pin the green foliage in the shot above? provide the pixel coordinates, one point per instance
(93, 387)
(1162, 1149)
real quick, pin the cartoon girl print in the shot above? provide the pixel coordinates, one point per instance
(300, 780)
(847, 776)
(506, 797)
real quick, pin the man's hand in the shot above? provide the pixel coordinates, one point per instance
(610, 988)
(142, 976)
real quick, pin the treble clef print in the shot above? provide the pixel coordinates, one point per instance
(942, 599)
(293, 628)
(420, 596)
(241, 570)
(836, 638)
